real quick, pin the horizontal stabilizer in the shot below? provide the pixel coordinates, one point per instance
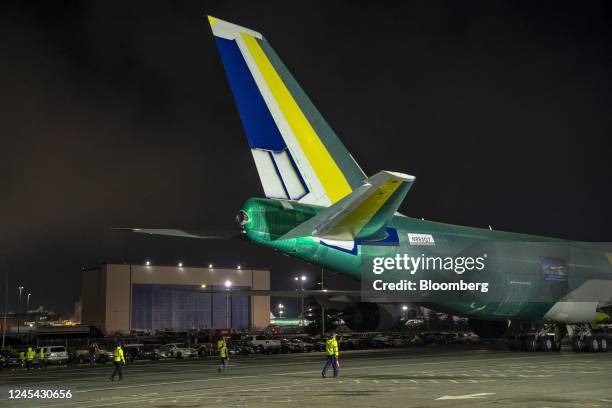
(200, 234)
(363, 214)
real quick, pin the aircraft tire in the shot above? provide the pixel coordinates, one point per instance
(547, 343)
(603, 344)
(531, 344)
(577, 344)
(592, 344)
(514, 344)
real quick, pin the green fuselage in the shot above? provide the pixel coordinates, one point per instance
(519, 289)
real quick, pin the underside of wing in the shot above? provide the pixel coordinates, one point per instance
(187, 233)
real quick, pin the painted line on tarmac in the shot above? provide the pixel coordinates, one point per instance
(223, 390)
(296, 372)
(253, 363)
(354, 355)
(178, 368)
(252, 387)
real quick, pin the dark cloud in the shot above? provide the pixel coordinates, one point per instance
(120, 114)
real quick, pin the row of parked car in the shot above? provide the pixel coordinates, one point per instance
(52, 355)
(238, 344)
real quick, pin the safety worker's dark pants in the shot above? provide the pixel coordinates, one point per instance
(42, 363)
(29, 364)
(118, 367)
(331, 361)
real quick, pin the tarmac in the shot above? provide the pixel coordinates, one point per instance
(443, 376)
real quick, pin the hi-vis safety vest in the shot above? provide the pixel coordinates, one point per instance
(118, 355)
(331, 347)
(222, 349)
(30, 355)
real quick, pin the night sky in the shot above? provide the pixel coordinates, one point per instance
(119, 114)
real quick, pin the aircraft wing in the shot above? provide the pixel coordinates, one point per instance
(363, 214)
(187, 233)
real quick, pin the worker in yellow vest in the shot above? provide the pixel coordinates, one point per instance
(41, 358)
(29, 357)
(223, 354)
(118, 361)
(331, 349)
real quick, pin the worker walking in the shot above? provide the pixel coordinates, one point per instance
(331, 348)
(93, 354)
(118, 361)
(223, 355)
(22, 359)
(29, 357)
(41, 358)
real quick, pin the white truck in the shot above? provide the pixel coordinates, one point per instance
(262, 343)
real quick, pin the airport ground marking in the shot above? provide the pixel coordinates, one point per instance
(467, 396)
(269, 389)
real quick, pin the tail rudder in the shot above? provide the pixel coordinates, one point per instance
(297, 154)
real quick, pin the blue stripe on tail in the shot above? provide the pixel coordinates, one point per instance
(261, 131)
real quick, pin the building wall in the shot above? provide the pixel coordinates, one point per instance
(118, 298)
(107, 291)
(260, 305)
(93, 297)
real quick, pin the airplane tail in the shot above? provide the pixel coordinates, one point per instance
(297, 154)
(362, 215)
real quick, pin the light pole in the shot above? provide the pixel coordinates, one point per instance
(301, 279)
(228, 285)
(281, 309)
(28, 302)
(20, 290)
(322, 307)
(6, 292)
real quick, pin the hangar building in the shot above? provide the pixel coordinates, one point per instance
(122, 297)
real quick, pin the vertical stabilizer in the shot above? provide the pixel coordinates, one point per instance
(297, 154)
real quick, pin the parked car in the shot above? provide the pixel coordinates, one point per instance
(467, 337)
(318, 345)
(300, 346)
(180, 350)
(133, 352)
(204, 350)
(285, 346)
(164, 352)
(263, 344)
(241, 347)
(10, 359)
(434, 338)
(396, 341)
(105, 356)
(151, 351)
(56, 355)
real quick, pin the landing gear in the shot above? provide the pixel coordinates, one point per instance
(545, 338)
(547, 343)
(577, 344)
(530, 343)
(603, 344)
(583, 339)
(592, 344)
